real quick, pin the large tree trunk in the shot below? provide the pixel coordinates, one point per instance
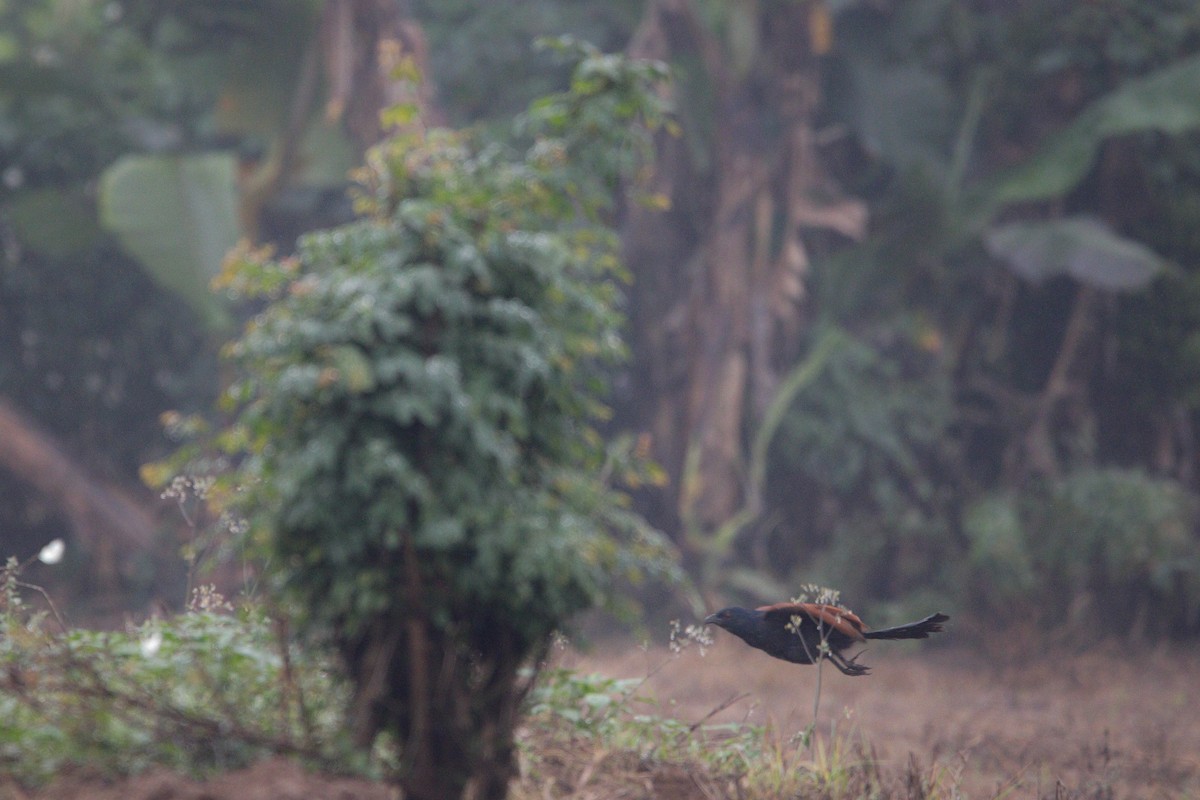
(717, 307)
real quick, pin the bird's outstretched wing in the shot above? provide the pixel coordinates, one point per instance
(840, 619)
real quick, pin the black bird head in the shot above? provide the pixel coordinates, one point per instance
(733, 619)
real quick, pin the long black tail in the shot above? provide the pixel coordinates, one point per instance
(913, 630)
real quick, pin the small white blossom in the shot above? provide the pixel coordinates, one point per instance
(53, 552)
(151, 643)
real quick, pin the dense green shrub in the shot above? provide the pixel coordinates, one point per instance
(1111, 544)
(415, 421)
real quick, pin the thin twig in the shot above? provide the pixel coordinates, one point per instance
(45, 596)
(733, 698)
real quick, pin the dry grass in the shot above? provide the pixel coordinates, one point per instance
(928, 723)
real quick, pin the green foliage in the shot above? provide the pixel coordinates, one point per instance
(480, 52)
(1125, 537)
(1118, 541)
(407, 387)
(848, 432)
(900, 110)
(866, 450)
(428, 375)
(177, 215)
(56, 223)
(619, 713)
(912, 467)
(211, 689)
(55, 67)
(90, 347)
(1165, 101)
(999, 552)
(415, 419)
(589, 705)
(577, 125)
(431, 370)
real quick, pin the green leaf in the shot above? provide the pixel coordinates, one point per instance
(597, 700)
(1167, 101)
(353, 367)
(177, 215)
(1081, 247)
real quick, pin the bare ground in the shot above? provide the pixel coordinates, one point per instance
(1106, 724)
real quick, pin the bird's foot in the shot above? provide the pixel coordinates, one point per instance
(849, 666)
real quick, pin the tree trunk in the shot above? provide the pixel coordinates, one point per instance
(453, 710)
(717, 305)
(452, 701)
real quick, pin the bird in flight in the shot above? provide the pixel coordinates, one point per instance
(804, 633)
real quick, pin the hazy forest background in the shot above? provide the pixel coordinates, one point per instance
(911, 288)
(912, 308)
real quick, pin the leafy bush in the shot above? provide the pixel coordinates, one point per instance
(414, 421)
(619, 713)
(210, 689)
(1116, 543)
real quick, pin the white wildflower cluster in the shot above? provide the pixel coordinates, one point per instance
(683, 637)
(233, 523)
(182, 487)
(207, 598)
(814, 593)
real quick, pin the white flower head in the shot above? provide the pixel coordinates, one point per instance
(53, 552)
(151, 643)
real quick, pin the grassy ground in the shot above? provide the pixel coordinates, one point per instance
(624, 722)
(941, 722)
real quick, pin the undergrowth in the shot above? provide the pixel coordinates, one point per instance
(207, 690)
(589, 735)
(594, 736)
(217, 687)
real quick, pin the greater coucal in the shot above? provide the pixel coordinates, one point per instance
(805, 632)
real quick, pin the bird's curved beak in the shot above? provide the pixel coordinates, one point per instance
(711, 619)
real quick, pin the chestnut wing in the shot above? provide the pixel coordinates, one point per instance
(839, 619)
